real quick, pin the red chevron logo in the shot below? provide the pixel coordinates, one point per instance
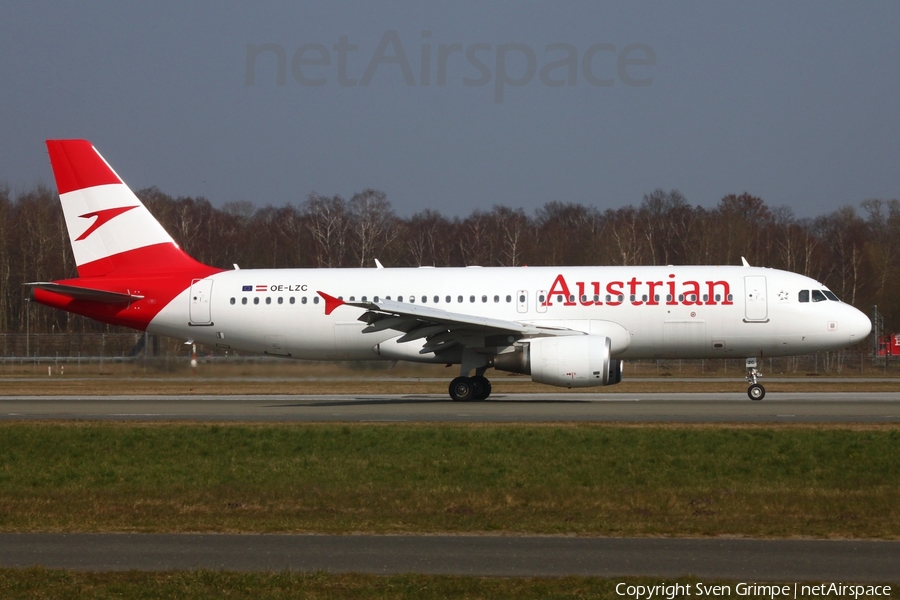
(103, 216)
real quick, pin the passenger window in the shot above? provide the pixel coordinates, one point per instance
(292, 300)
(243, 301)
(484, 298)
(459, 299)
(424, 299)
(830, 295)
(280, 300)
(303, 300)
(803, 296)
(232, 300)
(818, 296)
(571, 297)
(497, 298)
(437, 299)
(583, 298)
(448, 299)
(256, 300)
(471, 298)
(315, 299)
(268, 300)
(541, 298)
(596, 298)
(363, 299)
(608, 297)
(375, 299)
(399, 298)
(352, 298)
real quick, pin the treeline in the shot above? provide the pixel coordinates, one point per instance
(854, 251)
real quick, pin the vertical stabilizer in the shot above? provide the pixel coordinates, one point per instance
(110, 230)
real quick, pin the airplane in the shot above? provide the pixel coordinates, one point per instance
(570, 327)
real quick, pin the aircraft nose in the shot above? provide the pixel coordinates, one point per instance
(858, 324)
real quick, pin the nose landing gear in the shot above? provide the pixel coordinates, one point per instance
(756, 391)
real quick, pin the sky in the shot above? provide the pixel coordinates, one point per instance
(458, 106)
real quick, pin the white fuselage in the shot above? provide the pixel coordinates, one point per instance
(647, 312)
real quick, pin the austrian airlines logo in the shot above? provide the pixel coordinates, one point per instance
(103, 216)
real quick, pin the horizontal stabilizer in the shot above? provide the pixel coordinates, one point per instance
(80, 293)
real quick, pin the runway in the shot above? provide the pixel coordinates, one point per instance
(805, 407)
(479, 555)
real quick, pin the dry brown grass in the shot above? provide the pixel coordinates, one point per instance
(139, 386)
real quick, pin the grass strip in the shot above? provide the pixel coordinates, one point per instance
(37, 583)
(583, 479)
(60, 386)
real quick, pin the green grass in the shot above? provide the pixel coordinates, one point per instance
(577, 479)
(37, 583)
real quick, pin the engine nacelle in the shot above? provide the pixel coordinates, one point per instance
(569, 361)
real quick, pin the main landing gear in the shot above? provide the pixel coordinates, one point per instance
(463, 389)
(756, 391)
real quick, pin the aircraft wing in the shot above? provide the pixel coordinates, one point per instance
(440, 328)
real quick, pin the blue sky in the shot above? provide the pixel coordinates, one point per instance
(794, 102)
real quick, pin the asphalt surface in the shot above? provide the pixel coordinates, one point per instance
(806, 407)
(760, 560)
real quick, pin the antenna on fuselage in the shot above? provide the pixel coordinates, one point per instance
(744, 262)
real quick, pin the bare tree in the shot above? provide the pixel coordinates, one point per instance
(328, 223)
(372, 224)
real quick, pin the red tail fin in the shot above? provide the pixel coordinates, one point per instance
(111, 231)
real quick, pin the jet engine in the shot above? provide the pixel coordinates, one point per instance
(567, 361)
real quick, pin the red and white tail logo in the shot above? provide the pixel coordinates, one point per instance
(109, 228)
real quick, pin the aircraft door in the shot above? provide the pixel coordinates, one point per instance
(755, 304)
(522, 301)
(201, 291)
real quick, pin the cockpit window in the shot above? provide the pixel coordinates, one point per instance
(830, 295)
(803, 296)
(818, 296)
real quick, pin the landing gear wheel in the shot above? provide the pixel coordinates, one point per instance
(756, 392)
(462, 389)
(481, 388)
